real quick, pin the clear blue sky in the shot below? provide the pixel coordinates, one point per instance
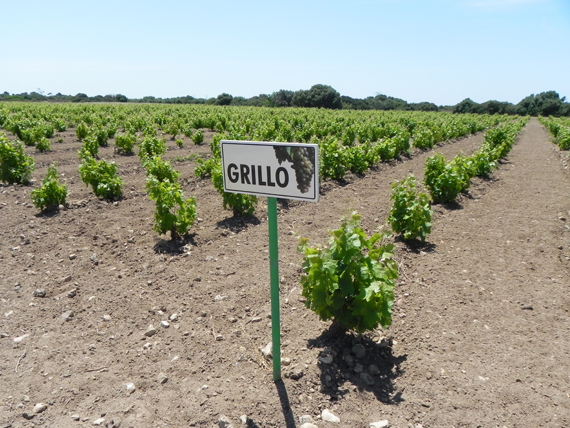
(441, 51)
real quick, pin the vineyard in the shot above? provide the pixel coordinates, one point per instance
(136, 291)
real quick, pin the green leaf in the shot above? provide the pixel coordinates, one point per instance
(351, 280)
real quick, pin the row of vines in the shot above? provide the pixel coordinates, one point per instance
(348, 140)
(559, 128)
(360, 296)
(445, 180)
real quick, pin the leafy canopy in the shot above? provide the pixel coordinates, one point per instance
(15, 165)
(352, 280)
(51, 194)
(410, 214)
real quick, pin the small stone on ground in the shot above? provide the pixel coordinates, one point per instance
(380, 424)
(329, 417)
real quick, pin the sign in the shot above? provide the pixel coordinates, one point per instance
(278, 170)
(275, 170)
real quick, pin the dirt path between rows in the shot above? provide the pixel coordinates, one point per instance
(480, 323)
(486, 330)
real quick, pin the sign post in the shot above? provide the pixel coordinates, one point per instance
(274, 278)
(275, 170)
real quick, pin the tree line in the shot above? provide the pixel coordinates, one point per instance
(323, 96)
(544, 104)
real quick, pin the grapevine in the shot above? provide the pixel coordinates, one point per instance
(410, 214)
(51, 194)
(352, 280)
(15, 165)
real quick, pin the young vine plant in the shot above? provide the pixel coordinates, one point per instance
(51, 195)
(351, 281)
(15, 165)
(173, 213)
(410, 215)
(101, 175)
(241, 204)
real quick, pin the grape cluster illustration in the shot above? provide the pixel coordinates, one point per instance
(303, 163)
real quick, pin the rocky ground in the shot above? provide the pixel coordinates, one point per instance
(103, 322)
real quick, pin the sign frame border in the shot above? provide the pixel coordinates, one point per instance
(316, 179)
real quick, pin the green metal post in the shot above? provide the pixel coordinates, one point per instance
(274, 276)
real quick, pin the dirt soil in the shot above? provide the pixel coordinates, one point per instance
(480, 325)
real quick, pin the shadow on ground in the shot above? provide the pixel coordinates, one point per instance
(48, 213)
(358, 360)
(286, 409)
(176, 246)
(452, 206)
(416, 245)
(237, 224)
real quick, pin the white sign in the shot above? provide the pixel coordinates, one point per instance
(279, 170)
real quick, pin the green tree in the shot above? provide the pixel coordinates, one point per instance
(224, 99)
(423, 106)
(546, 104)
(282, 98)
(465, 106)
(300, 99)
(79, 98)
(324, 96)
(319, 96)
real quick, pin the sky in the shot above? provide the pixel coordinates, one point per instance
(440, 51)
